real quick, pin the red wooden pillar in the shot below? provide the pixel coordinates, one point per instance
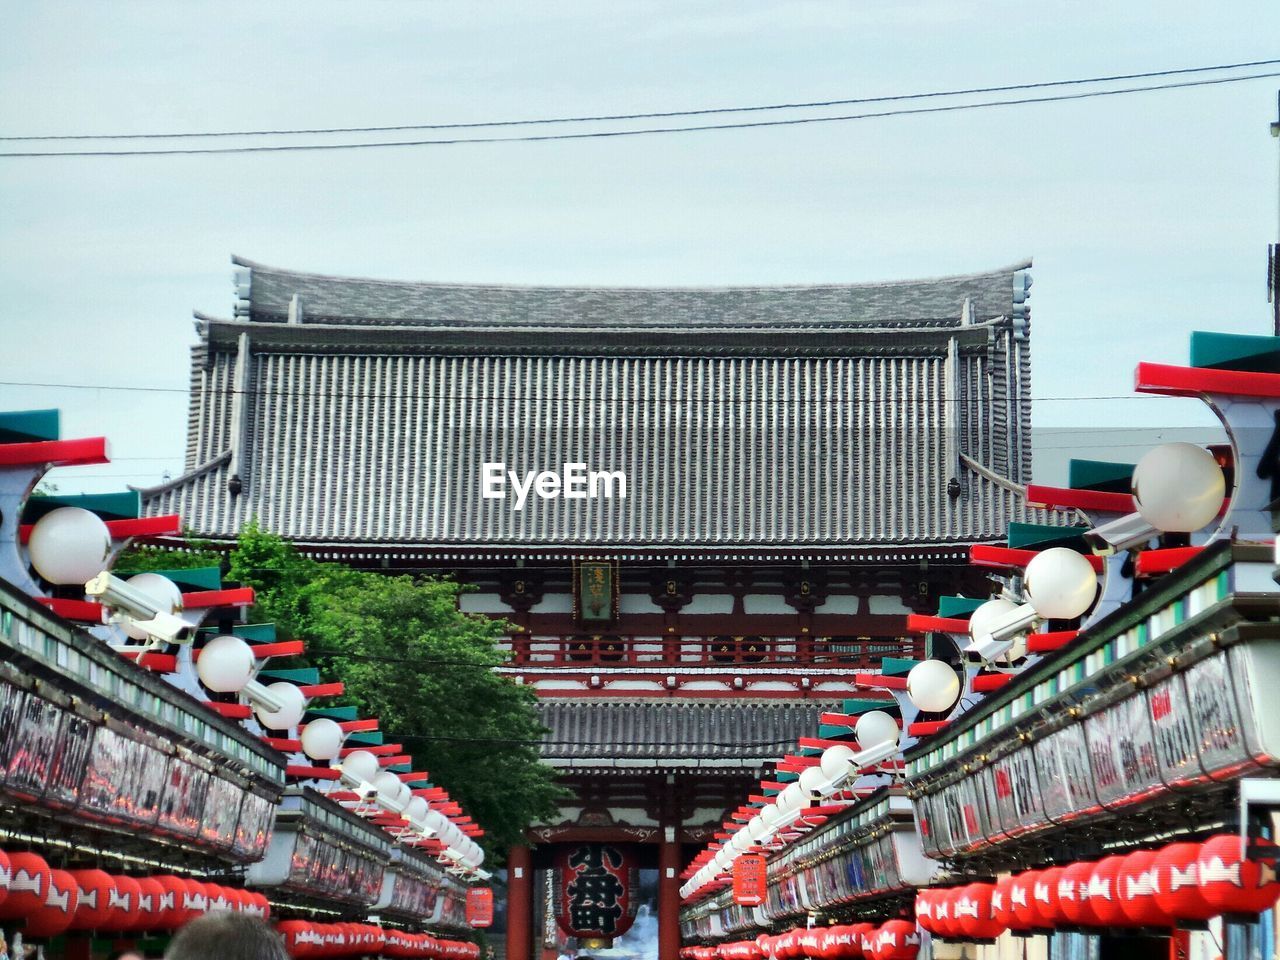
(520, 903)
(669, 875)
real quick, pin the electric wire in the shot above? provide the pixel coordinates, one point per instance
(612, 134)
(654, 115)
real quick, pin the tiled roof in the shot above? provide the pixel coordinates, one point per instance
(347, 435)
(589, 729)
(351, 300)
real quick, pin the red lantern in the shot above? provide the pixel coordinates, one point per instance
(195, 902)
(6, 875)
(857, 944)
(59, 907)
(169, 902)
(1178, 890)
(299, 938)
(1020, 904)
(150, 904)
(1002, 902)
(809, 946)
(28, 886)
(974, 912)
(1137, 891)
(595, 883)
(124, 902)
(1104, 892)
(1073, 894)
(897, 940)
(1045, 909)
(93, 899)
(1231, 883)
(868, 937)
(219, 901)
(924, 910)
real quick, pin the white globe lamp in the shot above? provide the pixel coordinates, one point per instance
(933, 686)
(322, 739)
(289, 715)
(835, 761)
(792, 797)
(361, 767)
(392, 787)
(995, 611)
(1178, 487)
(416, 809)
(756, 827)
(69, 545)
(226, 664)
(162, 590)
(813, 781)
(770, 814)
(1060, 583)
(874, 728)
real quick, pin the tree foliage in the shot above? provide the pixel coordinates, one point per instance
(409, 657)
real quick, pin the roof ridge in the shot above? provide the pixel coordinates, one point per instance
(1023, 264)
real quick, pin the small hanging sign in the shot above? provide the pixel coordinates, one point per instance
(480, 906)
(749, 880)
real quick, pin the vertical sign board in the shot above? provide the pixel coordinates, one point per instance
(595, 595)
(480, 907)
(749, 880)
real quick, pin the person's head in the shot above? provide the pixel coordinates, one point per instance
(125, 955)
(226, 936)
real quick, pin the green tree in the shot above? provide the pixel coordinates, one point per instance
(409, 657)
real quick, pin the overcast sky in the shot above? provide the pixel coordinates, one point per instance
(1147, 215)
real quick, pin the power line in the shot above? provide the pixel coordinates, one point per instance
(656, 115)
(646, 131)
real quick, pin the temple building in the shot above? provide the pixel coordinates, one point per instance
(701, 510)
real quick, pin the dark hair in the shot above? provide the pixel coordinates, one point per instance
(226, 936)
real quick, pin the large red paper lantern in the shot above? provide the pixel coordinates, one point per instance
(59, 907)
(1178, 890)
(975, 914)
(1021, 901)
(93, 899)
(1045, 910)
(1137, 883)
(28, 886)
(1231, 883)
(1105, 893)
(897, 940)
(6, 875)
(595, 884)
(1073, 894)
